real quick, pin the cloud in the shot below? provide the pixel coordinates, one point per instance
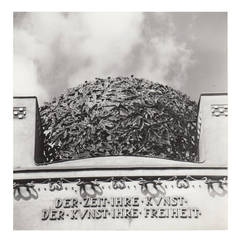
(60, 50)
(162, 58)
(25, 79)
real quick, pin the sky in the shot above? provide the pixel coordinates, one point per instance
(55, 51)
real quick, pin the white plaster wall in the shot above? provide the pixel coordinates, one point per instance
(213, 133)
(24, 134)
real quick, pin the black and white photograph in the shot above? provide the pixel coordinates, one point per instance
(120, 121)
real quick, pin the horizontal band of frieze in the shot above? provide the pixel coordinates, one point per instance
(104, 169)
(129, 178)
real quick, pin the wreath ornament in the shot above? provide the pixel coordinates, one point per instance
(217, 187)
(56, 186)
(89, 189)
(153, 188)
(25, 191)
(118, 184)
(182, 183)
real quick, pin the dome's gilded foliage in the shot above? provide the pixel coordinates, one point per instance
(120, 116)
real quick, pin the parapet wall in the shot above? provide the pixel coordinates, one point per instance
(212, 129)
(28, 142)
(212, 135)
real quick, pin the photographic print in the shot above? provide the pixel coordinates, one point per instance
(120, 121)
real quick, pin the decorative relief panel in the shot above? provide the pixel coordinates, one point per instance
(151, 187)
(219, 110)
(19, 112)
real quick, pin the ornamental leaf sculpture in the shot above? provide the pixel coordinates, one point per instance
(120, 116)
